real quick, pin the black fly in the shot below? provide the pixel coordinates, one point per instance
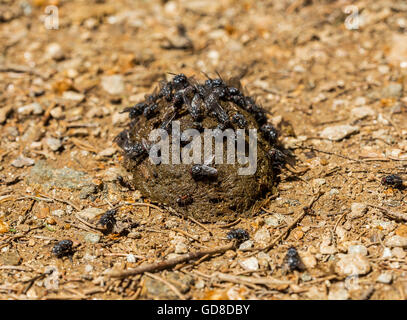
(240, 120)
(62, 248)
(277, 157)
(292, 261)
(270, 133)
(392, 180)
(200, 171)
(108, 219)
(136, 110)
(240, 235)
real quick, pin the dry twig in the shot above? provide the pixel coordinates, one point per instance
(158, 266)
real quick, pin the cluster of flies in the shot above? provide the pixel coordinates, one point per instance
(183, 94)
(65, 247)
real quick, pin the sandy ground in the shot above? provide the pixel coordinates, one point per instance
(333, 82)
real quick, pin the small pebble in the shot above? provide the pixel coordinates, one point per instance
(360, 101)
(119, 118)
(113, 84)
(74, 96)
(22, 161)
(54, 51)
(359, 249)
(246, 245)
(32, 108)
(339, 132)
(92, 237)
(88, 268)
(53, 144)
(131, 258)
(338, 292)
(362, 112)
(398, 253)
(385, 277)
(352, 264)
(306, 277)
(57, 113)
(393, 90)
(386, 253)
(108, 152)
(309, 260)
(396, 241)
(357, 210)
(181, 248)
(250, 264)
(262, 236)
(90, 213)
(333, 191)
(200, 284)
(318, 182)
(272, 221)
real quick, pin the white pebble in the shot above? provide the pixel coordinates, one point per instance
(352, 264)
(385, 277)
(339, 132)
(398, 253)
(359, 249)
(88, 268)
(250, 264)
(32, 108)
(22, 161)
(53, 144)
(54, 51)
(396, 241)
(246, 245)
(357, 210)
(386, 253)
(131, 258)
(90, 213)
(362, 112)
(262, 236)
(113, 84)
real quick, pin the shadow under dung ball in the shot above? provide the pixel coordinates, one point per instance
(208, 191)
